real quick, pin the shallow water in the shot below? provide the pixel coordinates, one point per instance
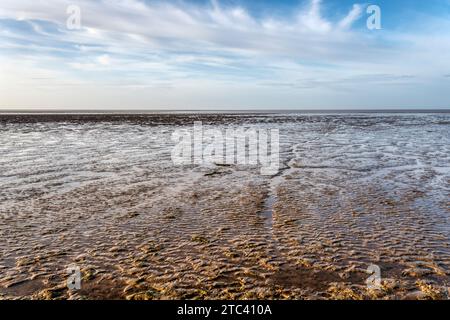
(102, 192)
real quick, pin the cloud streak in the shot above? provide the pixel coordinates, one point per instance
(165, 26)
(213, 46)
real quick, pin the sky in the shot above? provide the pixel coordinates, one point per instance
(224, 54)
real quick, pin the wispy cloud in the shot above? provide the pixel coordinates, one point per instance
(352, 16)
(212, 46)
(166, 26)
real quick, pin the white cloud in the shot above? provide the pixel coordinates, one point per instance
(352, 16)
(214, 47)
(104, 60)
(313, 20)
(165, 26)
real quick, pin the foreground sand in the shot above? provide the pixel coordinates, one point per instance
(351, 192)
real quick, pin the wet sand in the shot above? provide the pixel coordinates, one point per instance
(101, 192)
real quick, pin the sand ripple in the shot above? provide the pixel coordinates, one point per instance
(103, 194)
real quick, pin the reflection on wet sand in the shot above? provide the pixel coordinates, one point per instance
(102, 193)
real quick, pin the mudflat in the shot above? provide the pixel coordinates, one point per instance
(101, 192)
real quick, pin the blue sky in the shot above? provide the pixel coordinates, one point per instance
(224, 54)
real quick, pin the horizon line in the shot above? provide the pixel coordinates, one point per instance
(265, 110)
